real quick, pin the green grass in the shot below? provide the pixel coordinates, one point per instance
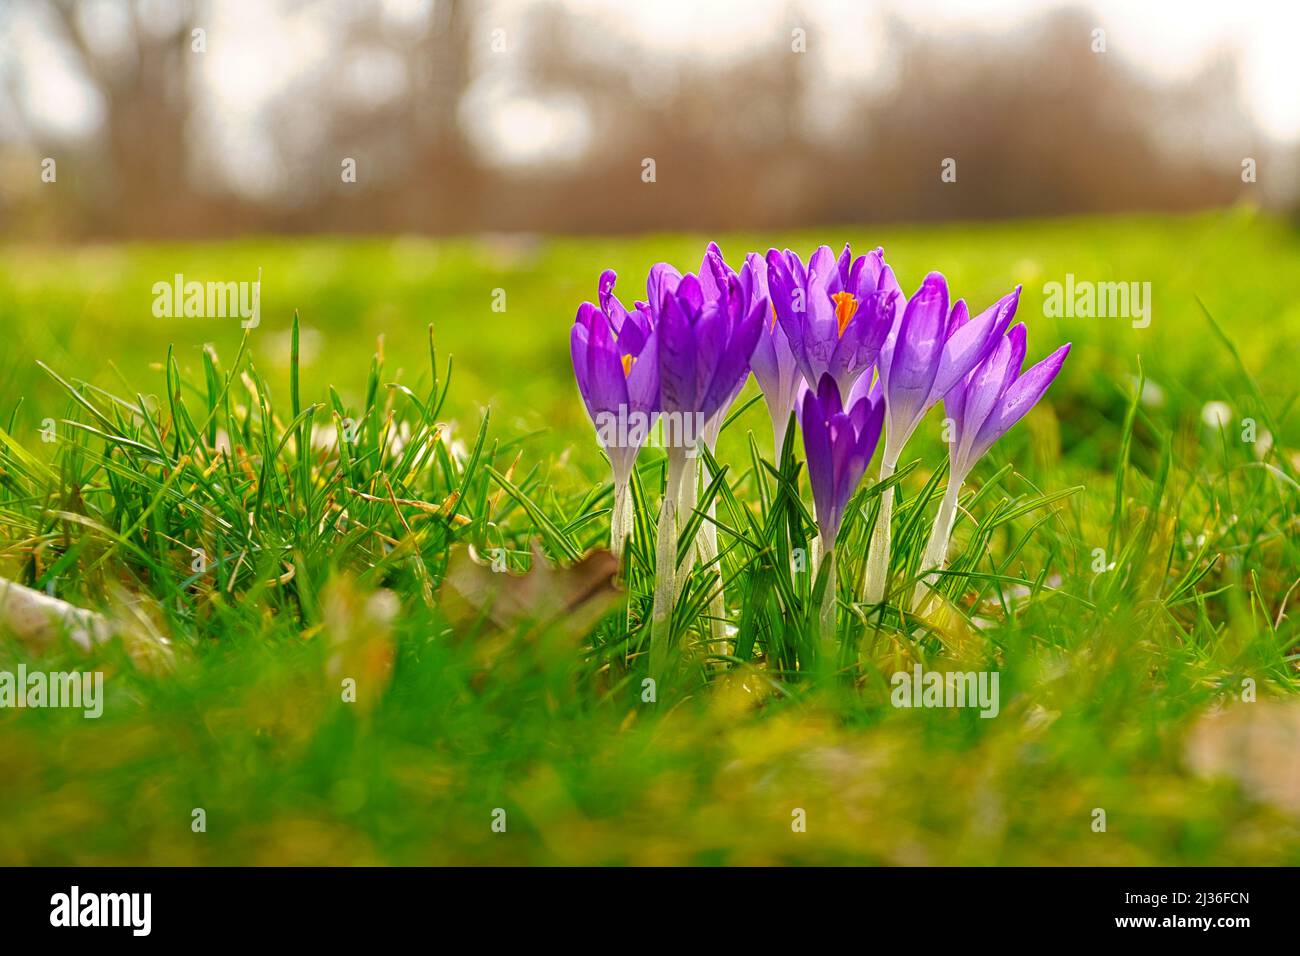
(162, 445)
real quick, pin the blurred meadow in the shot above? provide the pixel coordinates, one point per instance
(1106, 678)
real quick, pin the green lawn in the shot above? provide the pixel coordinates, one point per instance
(1107, 679)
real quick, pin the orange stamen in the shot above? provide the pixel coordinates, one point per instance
(845, 307)
(628, 362)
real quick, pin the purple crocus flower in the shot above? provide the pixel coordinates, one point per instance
(741, 294)
(775, 367)
(838, 445)
(836, 313)
(704, 347)
(994, 396)
(705, 333)
(616, 364)
(929, 349)
(980, 409)
(773, 363)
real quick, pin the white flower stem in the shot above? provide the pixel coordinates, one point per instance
(620, 519)
(877, 573)
(826, 614)
(779, 426)
(707, 546)
(686, 501)
(936, 551)
(666, 563)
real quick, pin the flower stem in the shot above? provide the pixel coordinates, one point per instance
(707, 546)
(877, 573)
(620, 519)
(686, 500)
(936, 551)
(779, 426)
(666, 563)
(826, 614)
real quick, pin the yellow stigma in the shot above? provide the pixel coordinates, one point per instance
(773, 317)
(628, 362)
(845, 307)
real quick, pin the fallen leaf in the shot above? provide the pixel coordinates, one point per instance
(1257, 745)
(40, 620)
(579, 595)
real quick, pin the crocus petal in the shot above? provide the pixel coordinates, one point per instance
(733, 368)
(867, 386)
(821, 328)
(662, 279)
(578, 352)
(1017, 336)
(817, 451)
(714, 272)
(822, 262)
(643, 379)
(983, 391)
(677, 363)
(1020, 397)
(844, 267)
(797, 272)
(765, 361)
(857, 349)
(786, 291)
(967, 346)
(844, 445)
(606, 382)
(918, 349)
(601, 357)
(691, 293)
(749, 276)
(861, 280)
(828, 394)
(609, 303)
(711, 332)
(869, 428)
(958, 317)
(954, 410)
(884, 277)
(838, 446)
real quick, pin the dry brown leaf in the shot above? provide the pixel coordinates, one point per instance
(579, 595)
(41, 621)
(1257, 745)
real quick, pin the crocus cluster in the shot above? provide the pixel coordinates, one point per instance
(833, 340)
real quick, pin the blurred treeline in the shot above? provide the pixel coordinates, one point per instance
(1038, 123)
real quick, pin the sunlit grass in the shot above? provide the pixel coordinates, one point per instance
(1104, 675)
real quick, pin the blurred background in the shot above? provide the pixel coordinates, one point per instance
(210, 118)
